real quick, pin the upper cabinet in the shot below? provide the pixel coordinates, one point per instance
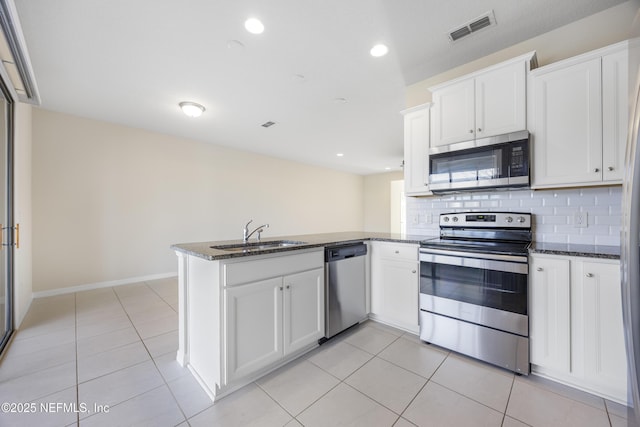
(579, 118)
(416, 150)
(486, 103)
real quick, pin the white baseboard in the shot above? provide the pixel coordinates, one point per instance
(110, 283)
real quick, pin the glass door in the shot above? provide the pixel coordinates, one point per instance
(7, 229)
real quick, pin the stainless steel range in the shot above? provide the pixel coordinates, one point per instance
(473, 287)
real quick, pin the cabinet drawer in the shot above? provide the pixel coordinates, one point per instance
(400, 251)
(241, 272)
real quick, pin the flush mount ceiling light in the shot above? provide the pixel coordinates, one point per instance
(192, 109)
(254, 26)
(379, 50)
(340, 154)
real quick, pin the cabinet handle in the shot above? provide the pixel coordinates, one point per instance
(397, 252)
(413, 271)
(471, 131)
(479, 129)
(596, 170)
(288, 286)
(18, 236)
(589, 274)
(280, 287)
(610, 168)
(539, 269)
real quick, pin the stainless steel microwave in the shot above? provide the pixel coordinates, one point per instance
(497, 162)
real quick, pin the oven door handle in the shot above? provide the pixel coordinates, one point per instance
(494, 257)
(485, 264)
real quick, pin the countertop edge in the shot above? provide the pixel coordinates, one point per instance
(582, 251)
(203, 250)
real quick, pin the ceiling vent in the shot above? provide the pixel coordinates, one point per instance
(484, 21)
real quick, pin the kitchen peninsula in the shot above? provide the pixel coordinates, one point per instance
(246, 309)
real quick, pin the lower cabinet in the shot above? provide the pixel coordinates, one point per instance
(270, 319)
(576, 329)
(395, 284)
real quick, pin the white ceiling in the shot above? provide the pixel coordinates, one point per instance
(132, 61)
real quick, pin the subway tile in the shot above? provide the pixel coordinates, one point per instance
(510, 203)
(579, 239)
(608, 240)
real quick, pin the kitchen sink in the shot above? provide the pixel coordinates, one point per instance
(257, 246)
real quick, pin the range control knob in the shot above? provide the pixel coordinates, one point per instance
(445, 219)
(520, 219)
(455, 219)
(509, 219)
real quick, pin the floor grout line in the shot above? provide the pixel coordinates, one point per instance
(399, 416)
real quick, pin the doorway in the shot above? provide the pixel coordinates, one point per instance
(398, 208)
(8, 232)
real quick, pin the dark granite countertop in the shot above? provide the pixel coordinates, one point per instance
(204, 250)
(568, 249)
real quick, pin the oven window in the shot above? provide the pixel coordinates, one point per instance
(496, 289)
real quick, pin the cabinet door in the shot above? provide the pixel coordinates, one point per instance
(453, 114)
(549, 317)
(416, 152)
(303, 309)
(597, 329)
(567, 125)
(615, 114)
(253, 327)
(501, 101)
(394, 291)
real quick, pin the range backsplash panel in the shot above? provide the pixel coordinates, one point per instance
(554, 212)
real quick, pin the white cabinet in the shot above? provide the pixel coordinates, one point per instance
(242, 317)
(453, 114)
(576, 323)
(579, 119)
(271, 319)
(395, 284)
(254, 327)
(615, 113)
(598, 338)
(303, 315)
(549, 299)
(416, 150)
(486, 103)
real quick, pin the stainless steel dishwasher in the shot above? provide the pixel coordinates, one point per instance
(344, 287)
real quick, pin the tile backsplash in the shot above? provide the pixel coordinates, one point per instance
(554, 212)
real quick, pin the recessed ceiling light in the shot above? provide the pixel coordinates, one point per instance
(387, 168)
(379, 50)
(340, 154)
(254, 26)
(192, 109)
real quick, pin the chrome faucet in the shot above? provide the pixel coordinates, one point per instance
(246, 234)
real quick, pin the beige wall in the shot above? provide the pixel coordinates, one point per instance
(108, 200)
(596, 31)
(23, 214)
(377, 202)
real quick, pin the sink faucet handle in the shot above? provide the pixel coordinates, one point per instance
(245, 231)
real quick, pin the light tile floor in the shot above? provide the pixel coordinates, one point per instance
(77, 354)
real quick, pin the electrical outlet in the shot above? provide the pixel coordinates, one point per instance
(428, 217)
(416, 219)
(580, 219)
